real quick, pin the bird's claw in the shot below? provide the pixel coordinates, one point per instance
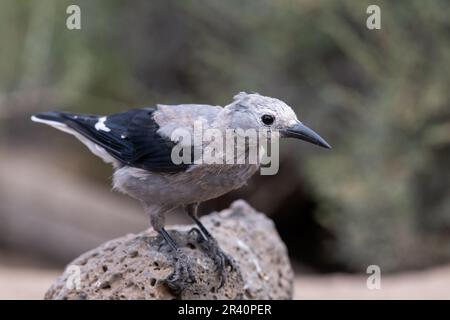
(182, 274)
(224, 264)
(221, 260)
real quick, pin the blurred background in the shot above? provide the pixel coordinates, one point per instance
(380, 97)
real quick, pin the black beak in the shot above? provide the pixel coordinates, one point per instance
(300, 131)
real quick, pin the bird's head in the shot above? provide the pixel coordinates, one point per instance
(266, 114)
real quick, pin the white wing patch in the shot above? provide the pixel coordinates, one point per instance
(100, 125)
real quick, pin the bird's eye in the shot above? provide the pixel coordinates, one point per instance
(268, 119)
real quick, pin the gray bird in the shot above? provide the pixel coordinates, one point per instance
(139, 143)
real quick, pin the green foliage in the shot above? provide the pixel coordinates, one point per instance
(395, 130)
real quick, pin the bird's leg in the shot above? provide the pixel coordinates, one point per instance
(210, 245)
(182, 274)
(192, 210)
(170, 241)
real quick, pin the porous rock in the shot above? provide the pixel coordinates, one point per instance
(134, 266)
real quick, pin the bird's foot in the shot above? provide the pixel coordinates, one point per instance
(222, 261)
(182, 275)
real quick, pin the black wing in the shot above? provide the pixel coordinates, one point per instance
(130, 137)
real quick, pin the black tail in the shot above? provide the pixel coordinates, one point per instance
(64, 117)
(50, 116)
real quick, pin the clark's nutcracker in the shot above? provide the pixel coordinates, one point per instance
(138, 143)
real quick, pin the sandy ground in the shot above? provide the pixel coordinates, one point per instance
(23, 283)
(428, 284)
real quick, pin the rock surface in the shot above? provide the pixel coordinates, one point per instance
(134, 266)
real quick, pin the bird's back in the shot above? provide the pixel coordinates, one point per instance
(137, 138)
